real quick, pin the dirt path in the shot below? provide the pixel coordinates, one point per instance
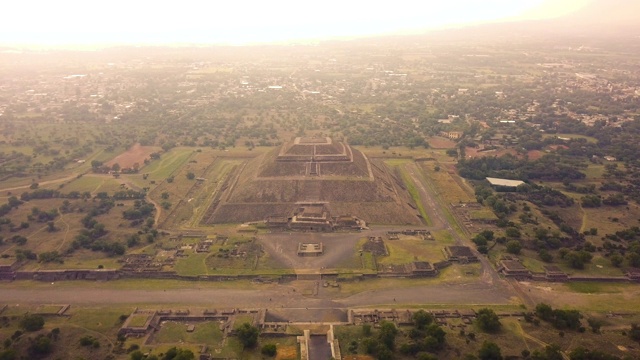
(66, 232)
(48, 182)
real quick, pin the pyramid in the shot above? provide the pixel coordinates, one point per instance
(313, 184)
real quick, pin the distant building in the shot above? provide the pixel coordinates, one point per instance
(453, 135)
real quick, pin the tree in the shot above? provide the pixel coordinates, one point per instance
(269, 350)
(178, 354)
(248, 335)
(51, 226)
(545, 256)
(512, 232)
(595, 324)
(489, 351)
(544, 311)
(115, 167)
(32, 322)
(387, 335)
(41, 345)
(96, 164)
(421, 319)
(551, 352)
(487, 320)
(616, 260)
(514, 247)
(191, 175)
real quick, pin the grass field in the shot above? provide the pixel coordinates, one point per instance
(601, 297)
(172, 332)
(93, 184)
(409, 249)
(193, 264)
(448, 188)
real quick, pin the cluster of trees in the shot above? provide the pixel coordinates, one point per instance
(577, 258)
(91, 236)
(43, 216)
(548, 168)
(37, 347)
(560, 319)
(425, 336)
(141, 210)
(12, 203)
(384, 344)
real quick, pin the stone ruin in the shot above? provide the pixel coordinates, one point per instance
(310, 249)
(314, 217)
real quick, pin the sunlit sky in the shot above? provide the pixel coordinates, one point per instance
(78, 22)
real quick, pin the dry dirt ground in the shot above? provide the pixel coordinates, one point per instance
(283, 247)
(437, 142)
(136, 154)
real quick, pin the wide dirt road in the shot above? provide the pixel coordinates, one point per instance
(283, 296)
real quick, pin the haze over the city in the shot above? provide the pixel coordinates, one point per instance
(74, 22)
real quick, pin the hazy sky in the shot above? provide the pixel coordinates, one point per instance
(61, 22)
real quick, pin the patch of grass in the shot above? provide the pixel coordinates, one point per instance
(241, 319)
(397, 162)
(405, 251)
(138, 320)
(594, 171)
(483, 214)
(101, 319)
(48, 309)
(93, 184)
(172, 332)
(194, 264)
(594, 288)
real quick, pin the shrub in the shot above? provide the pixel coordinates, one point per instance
(269, 350)
(32, 322)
